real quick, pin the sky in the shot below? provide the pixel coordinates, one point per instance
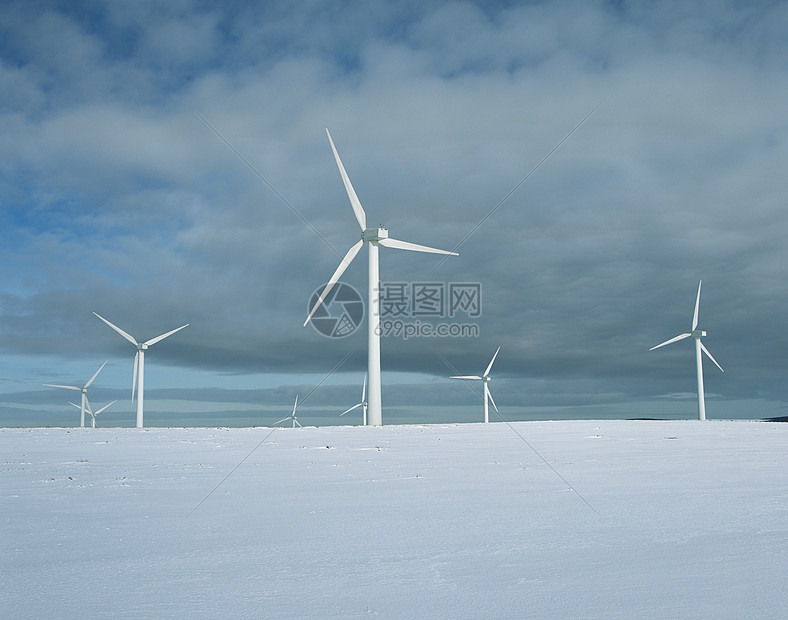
(591, 162)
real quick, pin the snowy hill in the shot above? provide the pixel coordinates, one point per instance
(636, 519)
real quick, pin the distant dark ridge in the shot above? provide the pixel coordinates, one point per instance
(646, 420)
(783, 418)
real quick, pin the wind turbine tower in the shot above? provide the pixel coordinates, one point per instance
(138, 378)
(292, 415)
(362, 404)
(697, 334)
(92, 413)
(373, 237)
(485, 378)
(84, 391)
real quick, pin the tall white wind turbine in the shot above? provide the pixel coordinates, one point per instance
(138, 379)
(362, 404)
(699, 346)
(374, 237)
(84, 391)
(292, 415)
(485, 378)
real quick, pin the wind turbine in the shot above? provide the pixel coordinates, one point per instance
(292, 415)
(92, 414)
(373, 237)
(138, 379)
(697, 334)
(84, 391)
(485, 378)
(362, 404)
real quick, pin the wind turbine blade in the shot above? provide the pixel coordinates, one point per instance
(282, 420)
(65, 387)
(299, 423)
(128, 337)
(104, 407)
(163, 336)
(134, 376)
(351, 409)
(87, 385)
(679, 337)
(466, 377)
(364, 389)
(415, 247)
(351, 254)
(492, 401)
(711, 357)
(295, 404)
(489, 367)
(88, 408)
(358, 210)
(697, 305)
(74, 405)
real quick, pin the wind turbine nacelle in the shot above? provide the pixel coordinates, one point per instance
(375, 234)
(698, 333)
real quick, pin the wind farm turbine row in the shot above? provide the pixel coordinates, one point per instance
(138, 376)
(695, 333)
(371, 397)
(84, 390)
(379, 236)
(92, 413)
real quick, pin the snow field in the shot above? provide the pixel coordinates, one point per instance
(686, 519)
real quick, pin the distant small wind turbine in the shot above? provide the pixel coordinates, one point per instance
(292, 415)
(84, 391)
(485, 378)
(697, 334)
(362, 404)
(373, 237)
(92, 413)
(138, 378)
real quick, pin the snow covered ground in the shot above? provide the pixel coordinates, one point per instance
(683, 520)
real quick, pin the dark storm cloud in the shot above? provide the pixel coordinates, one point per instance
(119, 199)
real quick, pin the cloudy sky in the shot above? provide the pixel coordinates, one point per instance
(167, 163)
